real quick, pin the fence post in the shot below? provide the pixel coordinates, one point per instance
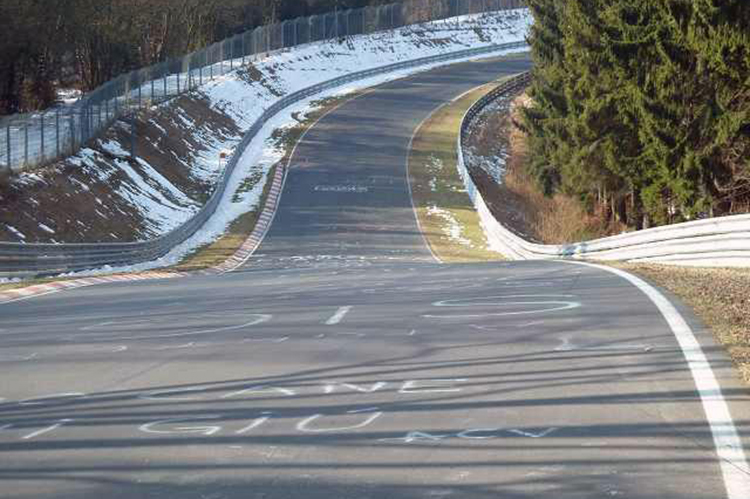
(244, 48)
(7, 138)
(84, 123)
(72, 127)
(231, 54)
(57, 132)
(26, 144)
(132, 136)
(41, 125)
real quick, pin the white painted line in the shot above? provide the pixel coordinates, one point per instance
(732, 458)
(338, 316)
(530, 434)
(46, 430)
(260, 319)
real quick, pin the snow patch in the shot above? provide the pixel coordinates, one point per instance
(452, 228)
(15, 231)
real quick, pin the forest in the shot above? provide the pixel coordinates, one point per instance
(641, 108)
(52, 44)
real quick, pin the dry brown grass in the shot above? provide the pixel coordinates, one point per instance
(557, 219)
(720, 297)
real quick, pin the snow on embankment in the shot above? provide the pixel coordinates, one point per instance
(101, 194)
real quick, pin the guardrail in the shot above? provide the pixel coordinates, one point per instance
(715, 242)
(27, 260)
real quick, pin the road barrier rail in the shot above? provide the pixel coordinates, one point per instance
(712, 242)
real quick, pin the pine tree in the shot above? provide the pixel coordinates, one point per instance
(545, 118)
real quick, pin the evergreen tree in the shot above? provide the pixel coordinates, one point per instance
(642, 107)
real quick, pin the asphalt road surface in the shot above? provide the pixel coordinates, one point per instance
(343, 362)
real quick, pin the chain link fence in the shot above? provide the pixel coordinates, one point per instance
(28, 140)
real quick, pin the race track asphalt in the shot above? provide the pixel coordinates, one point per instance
(343, 362)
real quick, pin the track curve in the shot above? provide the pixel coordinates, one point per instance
(341, 361)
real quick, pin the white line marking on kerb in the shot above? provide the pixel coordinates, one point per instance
(734, 465)
(338, 316)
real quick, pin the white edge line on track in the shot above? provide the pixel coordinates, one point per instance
(732, 458)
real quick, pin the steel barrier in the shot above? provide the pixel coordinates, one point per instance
(714, 242)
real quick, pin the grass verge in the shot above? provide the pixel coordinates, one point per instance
(447, 216)
(720, 298)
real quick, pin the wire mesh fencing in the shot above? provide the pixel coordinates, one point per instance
(33, 139)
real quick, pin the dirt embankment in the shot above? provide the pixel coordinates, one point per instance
(103, 194)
